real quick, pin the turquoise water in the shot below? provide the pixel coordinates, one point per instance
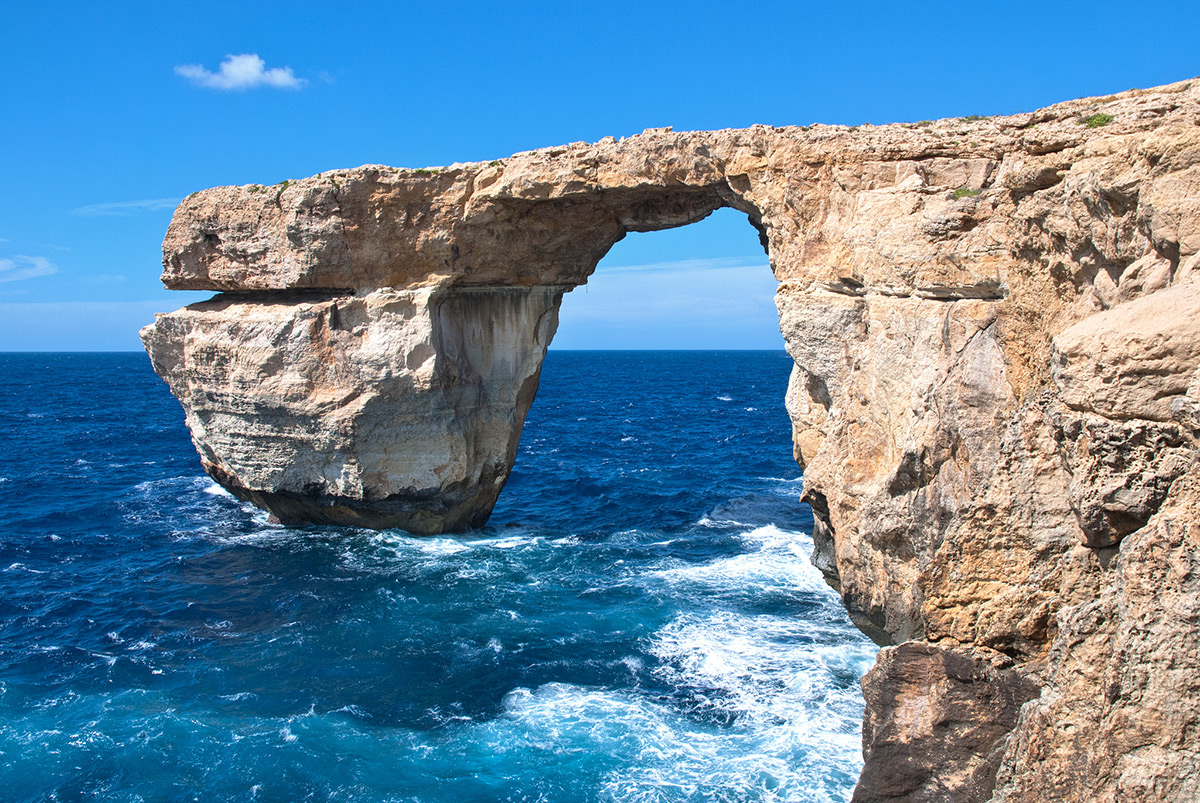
(638, 622)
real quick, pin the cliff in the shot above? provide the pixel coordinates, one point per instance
(995, 325)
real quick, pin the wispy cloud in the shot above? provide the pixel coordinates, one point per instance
(127, 207)
(107, 279)
(245, 71)
(25, 267)
(686, 265)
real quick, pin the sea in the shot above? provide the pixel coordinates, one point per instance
(639, 621)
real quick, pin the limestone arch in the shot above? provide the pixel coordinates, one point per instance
(955, 262)
(453, 301)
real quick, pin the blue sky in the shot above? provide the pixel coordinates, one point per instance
(111, 113)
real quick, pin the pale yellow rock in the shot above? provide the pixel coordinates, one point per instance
(1133, 360)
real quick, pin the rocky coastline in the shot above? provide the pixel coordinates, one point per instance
(995, 324)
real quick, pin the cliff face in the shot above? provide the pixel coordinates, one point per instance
(996, 396)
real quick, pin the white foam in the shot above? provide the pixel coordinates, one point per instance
(216, 490)
(792, 488)
(768, 705)
(779, 561)
(352, 710)
(765, 665)
(512, 542)
(105, 657)
(398, 542)
(665, 754)
(21, 567)
(705, 521)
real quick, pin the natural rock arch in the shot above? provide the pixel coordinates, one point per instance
(994, 327)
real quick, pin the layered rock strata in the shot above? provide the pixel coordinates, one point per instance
(995, 325)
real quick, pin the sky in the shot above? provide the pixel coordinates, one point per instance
(111, 113)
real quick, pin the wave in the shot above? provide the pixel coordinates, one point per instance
(660, 753)
(775, 560)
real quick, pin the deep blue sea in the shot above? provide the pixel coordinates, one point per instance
(638, 622)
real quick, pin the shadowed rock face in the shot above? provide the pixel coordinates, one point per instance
(996, 395)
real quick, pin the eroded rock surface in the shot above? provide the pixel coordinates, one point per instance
(995, 325)
(391, 408)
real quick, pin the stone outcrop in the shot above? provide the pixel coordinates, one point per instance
(397, 407)
(995, 399)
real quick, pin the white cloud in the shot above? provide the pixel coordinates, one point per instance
(23, 267)
(127, 207)
(245, 71)
(686, 265)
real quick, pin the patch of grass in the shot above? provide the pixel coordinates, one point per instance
(966, 192)
(283, 185)
(923, 123)
(1097, 120)
(421, 171)
(494, 163)
(972, 118)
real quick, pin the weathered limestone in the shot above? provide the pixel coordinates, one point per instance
(996, 395)
(392, 408)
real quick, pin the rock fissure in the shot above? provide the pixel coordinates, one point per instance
(995, 329)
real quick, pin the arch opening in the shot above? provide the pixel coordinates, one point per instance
(665, 462)
(702, 285)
